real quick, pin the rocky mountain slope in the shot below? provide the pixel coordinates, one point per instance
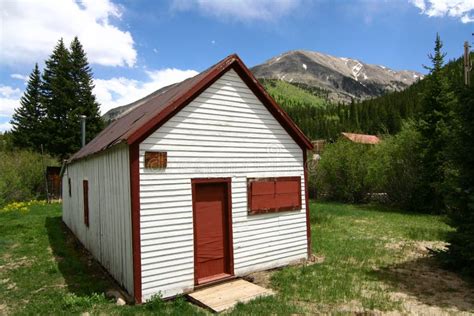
(343, 78)
(335, 78)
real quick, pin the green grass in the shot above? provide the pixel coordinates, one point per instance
(286, 93)
(44, 271)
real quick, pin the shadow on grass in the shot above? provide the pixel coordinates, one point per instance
(83, 275)
(427, 282)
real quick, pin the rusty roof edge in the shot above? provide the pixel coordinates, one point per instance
(98, 152)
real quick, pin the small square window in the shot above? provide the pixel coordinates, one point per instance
(156, 160)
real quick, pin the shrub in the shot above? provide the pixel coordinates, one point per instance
(394, 168)
(22, 175)
(71, 300)
(342, 171)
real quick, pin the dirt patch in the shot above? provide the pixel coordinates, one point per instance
(314, 259)
(11, 286)
(352, 307)
(3, 309)
(412, 305)
(422, 285)
(22, 262)
(362, 221)
(263, 278)
(406, 250)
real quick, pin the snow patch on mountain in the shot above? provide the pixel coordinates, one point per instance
(344, 78)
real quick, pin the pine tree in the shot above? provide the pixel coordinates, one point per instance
(433, 126)
(67, 94)
(461, 199)
(57, 98)
(84, 100)
(28, 119)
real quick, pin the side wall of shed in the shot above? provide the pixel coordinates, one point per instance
(225, 132)
(109, 235)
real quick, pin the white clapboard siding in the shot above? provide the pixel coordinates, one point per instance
(109, 235)
(225, 132)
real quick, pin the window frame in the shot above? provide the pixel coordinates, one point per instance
(85, 194)
(251, 211)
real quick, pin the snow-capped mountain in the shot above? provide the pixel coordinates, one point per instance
(344, 78)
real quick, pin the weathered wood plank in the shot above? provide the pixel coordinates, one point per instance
(226, 295)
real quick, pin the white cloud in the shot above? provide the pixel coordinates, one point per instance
(244, 10)
(110, 93)
(19, 77)
(461, 9)
(119, 91)
(9, 100)
(6, 126)
(7, 91)
(30, 29)
(420, 4)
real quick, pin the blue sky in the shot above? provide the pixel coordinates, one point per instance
(138, 46)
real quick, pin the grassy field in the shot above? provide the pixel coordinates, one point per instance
(366, 260)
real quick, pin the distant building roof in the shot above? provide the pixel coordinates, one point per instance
(362, 138)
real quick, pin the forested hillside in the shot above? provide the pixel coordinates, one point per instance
(321, 119)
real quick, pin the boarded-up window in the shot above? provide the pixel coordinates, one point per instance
(274, 195)
(156, 160)
(85, 188)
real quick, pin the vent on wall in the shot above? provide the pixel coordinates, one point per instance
(156, 159)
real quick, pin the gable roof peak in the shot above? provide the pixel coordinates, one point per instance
(155, 109)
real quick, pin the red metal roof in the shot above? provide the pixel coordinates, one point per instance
(362, 139)
(154, 110)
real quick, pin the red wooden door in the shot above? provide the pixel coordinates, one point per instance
(211, 231)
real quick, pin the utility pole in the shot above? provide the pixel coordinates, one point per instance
(83, 129)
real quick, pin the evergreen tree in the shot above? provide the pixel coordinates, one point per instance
(434, 128)
(67, 94)
(83, 99)
(461, 199)
(58, 98)
(28, 119)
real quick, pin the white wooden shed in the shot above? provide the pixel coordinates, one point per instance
(201, 181)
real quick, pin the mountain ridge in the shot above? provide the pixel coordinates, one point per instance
(339, 79)
(344, 78)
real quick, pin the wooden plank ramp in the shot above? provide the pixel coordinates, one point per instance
(223, 296)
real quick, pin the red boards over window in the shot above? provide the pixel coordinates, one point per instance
(85, 188)
(267, 195)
